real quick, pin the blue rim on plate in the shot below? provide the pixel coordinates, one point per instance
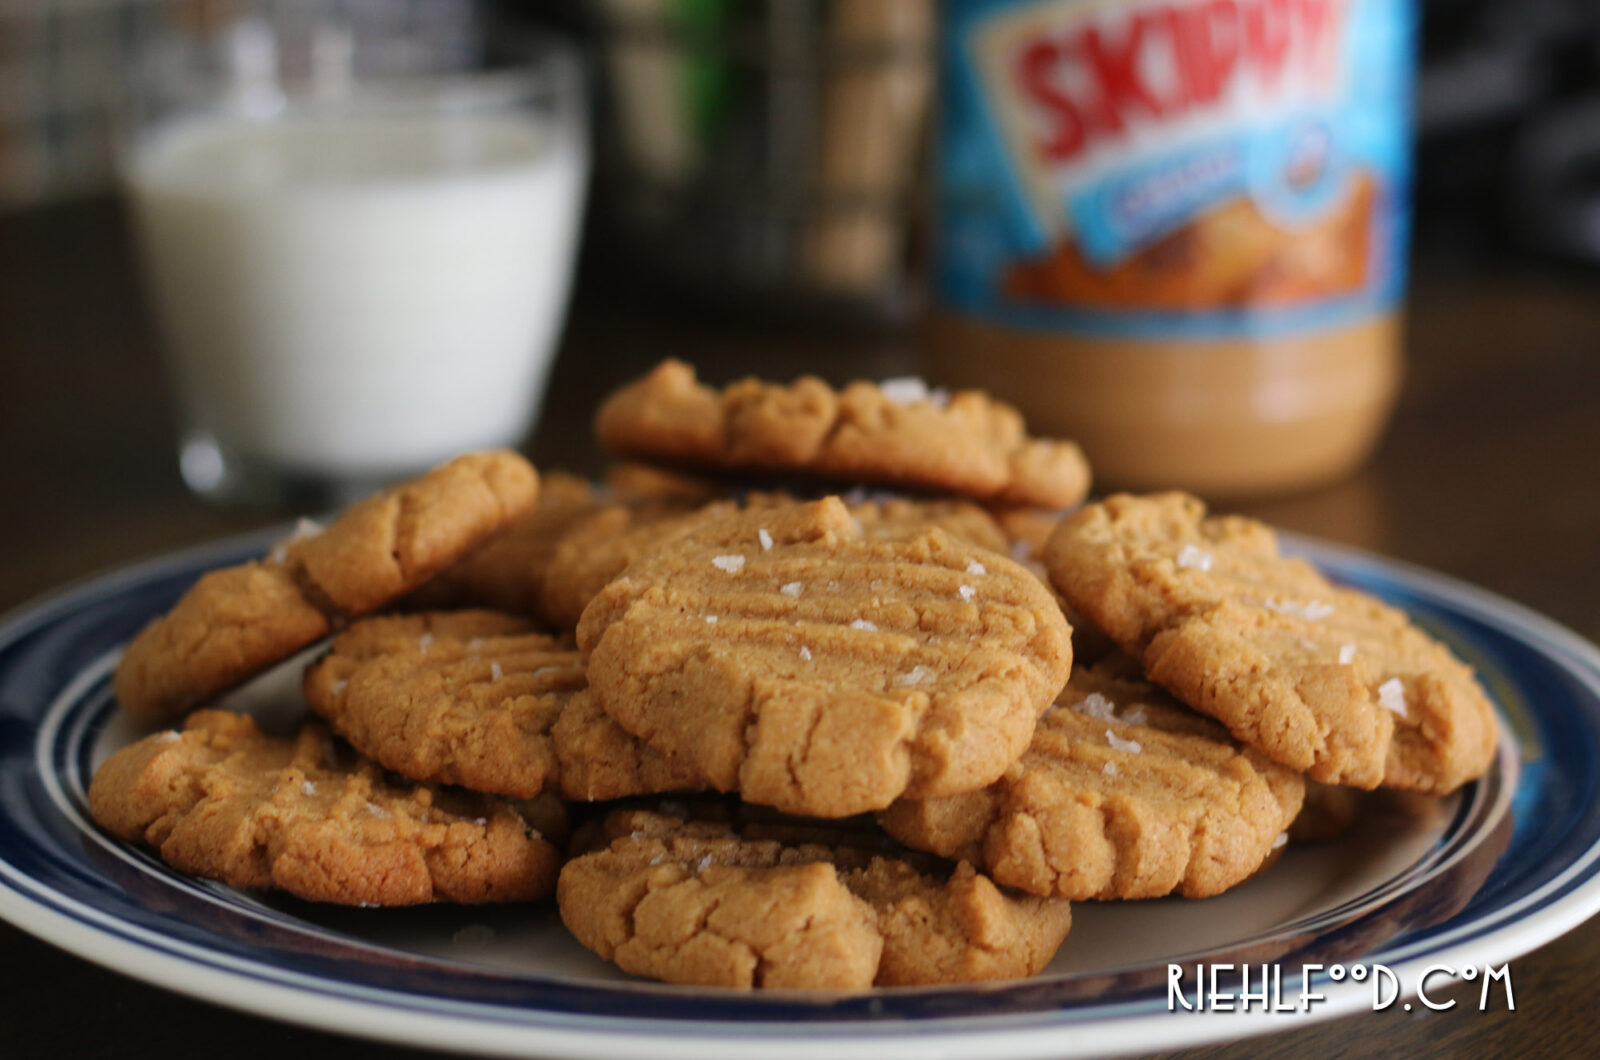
(1517, 865)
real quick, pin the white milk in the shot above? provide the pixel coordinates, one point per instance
(364, 296)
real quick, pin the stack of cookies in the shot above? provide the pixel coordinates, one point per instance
(754, 732)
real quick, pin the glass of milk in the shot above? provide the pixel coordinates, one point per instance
(357, 278)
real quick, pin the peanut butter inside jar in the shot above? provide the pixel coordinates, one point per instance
(1222, 417)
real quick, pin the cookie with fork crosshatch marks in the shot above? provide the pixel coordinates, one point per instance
(1123, 793)
(481, 700)
(452, 697)
(786, 656)
(1322, 678)
(599, 547)
(223, 800)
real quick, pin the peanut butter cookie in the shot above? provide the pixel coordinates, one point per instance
(600, 546)
(897, 433)
(508, 573)
(234, 623)
(1321, 678)
(456, 697)
(785, 655)
(693, 902)
(600, 760)
(223, 800)
(481, 700)
(1124, 793)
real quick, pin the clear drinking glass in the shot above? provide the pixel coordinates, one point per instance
(355, 276)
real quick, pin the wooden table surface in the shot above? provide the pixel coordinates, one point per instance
(1490, 473)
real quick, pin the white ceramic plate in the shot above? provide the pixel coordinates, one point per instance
(1503, 866)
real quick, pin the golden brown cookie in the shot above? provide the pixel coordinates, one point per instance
(889, 516)
(786, 656)
(1124, 793)
(1027, 530)
(600, 760)
(1323, 679)
(223, 800)
(599, 547)
(230, 625)
(508, 573)
(481, 700)
(897, 433)
(235, 623)
(642, 484)
(690, 902)
(455, 697)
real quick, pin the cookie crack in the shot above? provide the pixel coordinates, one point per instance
(793, 763)
(312, 592)
(401, 528)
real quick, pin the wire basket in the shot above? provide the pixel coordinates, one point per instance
(773, 150)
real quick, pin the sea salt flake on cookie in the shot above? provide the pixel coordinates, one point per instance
(1117, 743)
(917, 675)
(1310, 610)
(1096, 706)
(909, 390)
(1392, 696)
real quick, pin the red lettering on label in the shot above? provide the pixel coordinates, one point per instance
(1317, 20)
(1036, 67)
(1114, 67)
(1088, 78)
(1266, 39)
(1208, 48)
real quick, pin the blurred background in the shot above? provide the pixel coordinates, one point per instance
(760, 201)
(1499, 79)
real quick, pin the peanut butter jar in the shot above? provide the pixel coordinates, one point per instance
(1175, 230)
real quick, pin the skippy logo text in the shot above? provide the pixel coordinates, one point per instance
(1106, 161)
(1086, 77)
(1081, 89)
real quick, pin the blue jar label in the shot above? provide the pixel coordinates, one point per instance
(1182, 168)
